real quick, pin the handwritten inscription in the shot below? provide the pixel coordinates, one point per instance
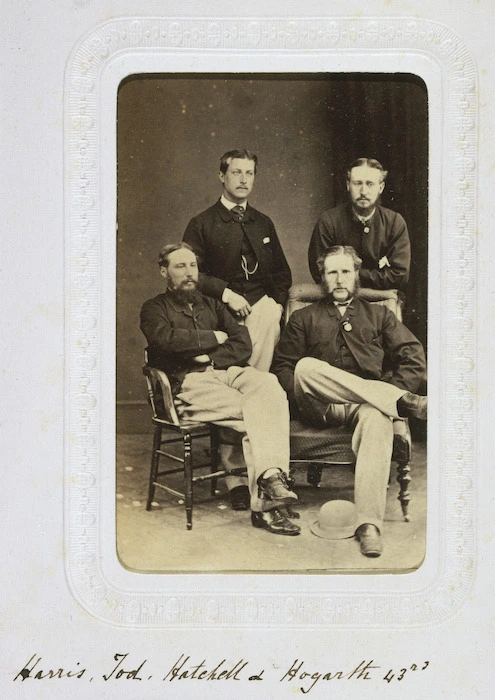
(201, 672)
(119, 672)
(365, 670)
(299, 675)
(361, 672)
(41, 674)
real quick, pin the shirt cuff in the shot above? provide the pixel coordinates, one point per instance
(226, 295)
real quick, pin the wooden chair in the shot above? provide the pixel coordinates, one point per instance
(316, 448)
(169, 429)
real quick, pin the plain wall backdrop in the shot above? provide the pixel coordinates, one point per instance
(305, 129)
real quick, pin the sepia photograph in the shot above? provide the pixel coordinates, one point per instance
(258, 238)
(271, 322)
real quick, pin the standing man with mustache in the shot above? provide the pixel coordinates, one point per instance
(379, 235)
(241, 263)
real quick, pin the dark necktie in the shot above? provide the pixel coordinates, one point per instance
(238, 212)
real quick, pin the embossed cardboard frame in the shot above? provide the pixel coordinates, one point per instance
(98, 63)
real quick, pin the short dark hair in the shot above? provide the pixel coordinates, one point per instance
(338, 250)
(167, 250)
(237, 153)
(371, 163)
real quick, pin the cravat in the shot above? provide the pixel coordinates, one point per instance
(238, 212)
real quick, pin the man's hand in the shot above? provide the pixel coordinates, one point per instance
(238, 304)
(221, 337)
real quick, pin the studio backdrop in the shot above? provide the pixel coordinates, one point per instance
(305, 129)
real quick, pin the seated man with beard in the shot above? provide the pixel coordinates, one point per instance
(204, 351)
(343, 360)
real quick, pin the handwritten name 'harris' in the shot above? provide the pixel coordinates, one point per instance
(184, 669)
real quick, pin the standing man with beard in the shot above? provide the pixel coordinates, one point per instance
(343, 360)
(204, 352)
(378, 235)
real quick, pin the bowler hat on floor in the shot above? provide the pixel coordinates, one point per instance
(336, 520)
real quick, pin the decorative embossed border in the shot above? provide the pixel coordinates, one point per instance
(146, 600)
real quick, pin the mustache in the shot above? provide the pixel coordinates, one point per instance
(182, 284)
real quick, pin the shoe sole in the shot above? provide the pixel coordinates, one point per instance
(287, 500)
(275, 532)
(372, 551)
(373, 554)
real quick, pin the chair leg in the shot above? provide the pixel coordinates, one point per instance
(188, 478)
(214, 456)
(155, 457)
(403, 479)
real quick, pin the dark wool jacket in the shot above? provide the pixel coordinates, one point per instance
(176, 334)
(216, 239)
(388, 236)
(381, 345)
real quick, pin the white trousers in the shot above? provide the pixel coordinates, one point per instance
(263, 324)
(251, 403)
(323, 391)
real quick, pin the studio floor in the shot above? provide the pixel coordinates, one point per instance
(223, 540)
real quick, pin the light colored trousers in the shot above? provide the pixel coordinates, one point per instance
(249, 402)
(263, 324)
(323, 391)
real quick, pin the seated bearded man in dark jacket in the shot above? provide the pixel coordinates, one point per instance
(343, 360)
(204, 352)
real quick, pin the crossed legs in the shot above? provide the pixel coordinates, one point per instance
(326, 395)
(251, 403)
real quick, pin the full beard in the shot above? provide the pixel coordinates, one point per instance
(185, 296)
(364, 210)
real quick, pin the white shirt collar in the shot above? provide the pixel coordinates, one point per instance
(230, 205)
(364, 219)
(343, 306)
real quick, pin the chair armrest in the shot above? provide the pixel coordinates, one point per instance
(305, 292)
(369, 294)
